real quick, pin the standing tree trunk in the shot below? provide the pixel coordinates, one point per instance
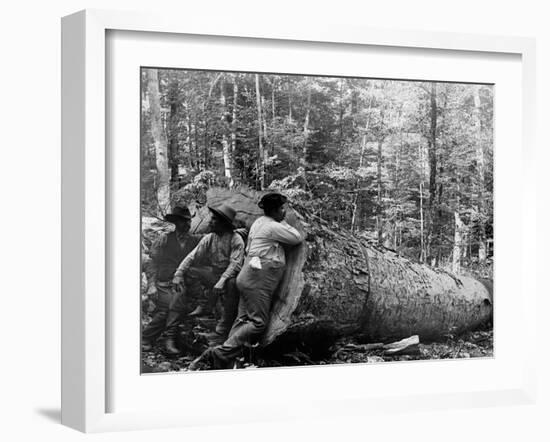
(206, 115)
(234, 114)
(482, 253)
(457, 245)
(379, 192)
(340, 113)
(289, 102)
(338, 284)
(173, 100)
(160, 142)
(189, 140)
(306, 124)
(355, 214)
(421, 198)
(274, 83)
(432, 159)
(194, 130)
(227, 157)
(379, 162)
(396, 190)
(266, 139)
(261, 156)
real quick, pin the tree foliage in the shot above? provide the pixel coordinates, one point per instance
(406, 163)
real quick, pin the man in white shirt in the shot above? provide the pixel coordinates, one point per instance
(261, 273)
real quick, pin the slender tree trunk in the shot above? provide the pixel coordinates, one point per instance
(482, 251)
(261, 156)
(189, 142)
(432, 160)
(379, 163)
(173, 131)
(340, 113)
(266, 139)
(355, 104)
(195, 132)
(234, 115)
(356, 212)
(306, 124)
(379, 192)
(160, 142)
(273, 86)
(227, 163)
(355, 204)
(289, 103)
(206, 115)
(396, 190)
(421, 197)
(457, 245)
(206, 144)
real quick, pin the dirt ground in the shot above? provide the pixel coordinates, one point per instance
(193, 341)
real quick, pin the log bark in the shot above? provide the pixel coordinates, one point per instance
(337, 284)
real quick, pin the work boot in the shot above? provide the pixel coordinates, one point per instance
(222, 329)
(215, 338)
(200, 311)
(171, 348)
(146, 346)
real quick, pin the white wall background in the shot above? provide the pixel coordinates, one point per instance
(30, 220)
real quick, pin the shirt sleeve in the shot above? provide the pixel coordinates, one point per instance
(236, 257)
(151, 268)
(285, 233)
(197, 254)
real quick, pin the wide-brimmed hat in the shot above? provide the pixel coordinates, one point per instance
(225, 212)
(178, 213)
(272, 200)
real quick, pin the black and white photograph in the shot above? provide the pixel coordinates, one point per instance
(299, 220)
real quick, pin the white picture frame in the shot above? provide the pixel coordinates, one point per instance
(85, 232)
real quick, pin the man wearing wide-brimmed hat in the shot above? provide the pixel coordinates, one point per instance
(261, 273)
(215, 262)
(166, 254)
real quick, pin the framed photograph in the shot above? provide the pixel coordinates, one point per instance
(285, 222)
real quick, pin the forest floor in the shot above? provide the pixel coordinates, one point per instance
(472, 344)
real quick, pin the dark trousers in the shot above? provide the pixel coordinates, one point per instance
(165, 296)
(256, 288)
(207, 277)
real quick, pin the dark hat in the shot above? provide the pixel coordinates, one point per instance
(178, 213)
(224, 212)
(272, 200)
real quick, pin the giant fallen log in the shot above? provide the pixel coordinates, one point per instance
(338, 284)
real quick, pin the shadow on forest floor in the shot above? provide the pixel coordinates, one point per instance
(472, 344)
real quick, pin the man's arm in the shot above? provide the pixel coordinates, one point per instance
(285, 233)
(236, 257)
(151, 267)
(235, 262)
(196, 254)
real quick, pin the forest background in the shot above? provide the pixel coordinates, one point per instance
(406, 164)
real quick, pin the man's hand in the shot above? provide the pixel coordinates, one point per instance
(177, 282)
(243, 232)
(218, 288)
(152, 292)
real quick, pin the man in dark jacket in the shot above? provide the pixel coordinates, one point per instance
(215, 263)
(167, 252)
